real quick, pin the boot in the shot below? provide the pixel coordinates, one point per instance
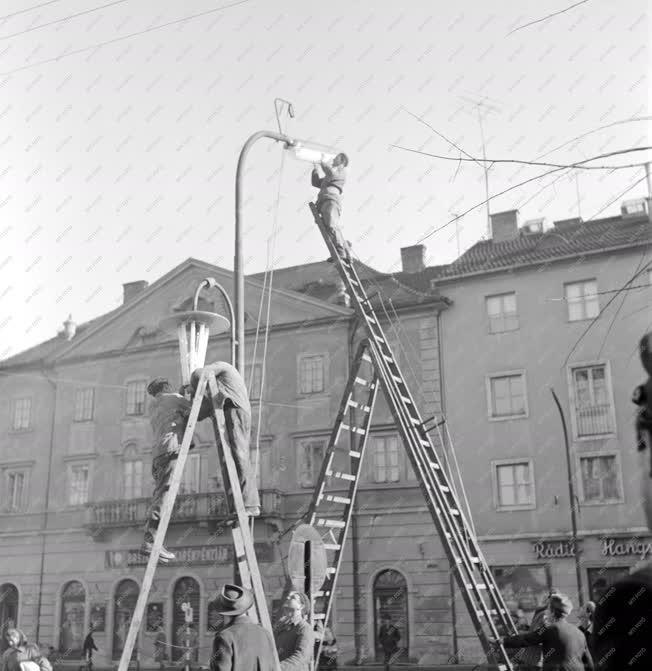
(164, 556)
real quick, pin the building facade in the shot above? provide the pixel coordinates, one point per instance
(537, 310)
(75, 456)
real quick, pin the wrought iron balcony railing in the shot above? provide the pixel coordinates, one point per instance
(594, 420)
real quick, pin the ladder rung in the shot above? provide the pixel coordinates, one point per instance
(388, 358)
(318, 616)
(405, 399)
(366, 357)
(480, 585)
(354, 429)
(341, 476)
(363, 382)
(354, 454)
(331, 570)
(396, 378)
(337, 499)
(333, 524)
(359, 406)
(435, 465)
(332, 546)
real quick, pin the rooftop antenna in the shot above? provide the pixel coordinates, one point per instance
(279, 103)
(477, 103)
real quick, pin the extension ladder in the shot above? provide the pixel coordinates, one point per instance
(242, 540)
(486, 607)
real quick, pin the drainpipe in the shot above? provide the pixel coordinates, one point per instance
(355, 556)
(442, 397)
(39, 602)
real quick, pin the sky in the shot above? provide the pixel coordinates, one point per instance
(120, 138)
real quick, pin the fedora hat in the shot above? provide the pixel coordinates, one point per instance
(233, 600)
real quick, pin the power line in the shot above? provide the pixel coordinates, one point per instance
(65, 18)
(553, 165)
(607, 291)
(124, 37)
(511, 188)
(28, 9)
(549, 16)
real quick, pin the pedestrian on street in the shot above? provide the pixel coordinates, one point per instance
(329, 200)
(529, 659)
(233, 398)
(294, 638)
(563, 644)
(160, 647)
(622, 626)
(19, 652)
(240, 645)
(88, 648)
(586, 623)
(388, 636)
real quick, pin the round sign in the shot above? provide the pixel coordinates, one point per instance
(304, 559)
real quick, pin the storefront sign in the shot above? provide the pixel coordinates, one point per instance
(195, 555)
(555, 549)
(625, 547)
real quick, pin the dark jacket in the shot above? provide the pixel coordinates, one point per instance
(389, 636)
(622, 626)
(243, 645)
(295, 644)
(25, 652)
(563, 646)
(89, 645)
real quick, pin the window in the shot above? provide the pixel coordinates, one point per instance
(390, 598)
(582, 300)
(261, 460)
(524, 588)
(78, 486)
(191, 480)
(84, 399)
(124, 604)
(593, 412)
(507, 396)
(186, 591)
(256, 377)
(601, 579)
(15, 494)
(311, 456)
(311, 374)
(386, 458)
(136, 397)
(9, 602)
(73, 606)
(502, 314)
(21, 414)
(132, 473)
(514, 484)
(600, 478)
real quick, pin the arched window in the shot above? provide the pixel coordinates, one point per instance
(391, 615)
(132, 466)
(186, 591)
(71, 627)
(126, 595)
(8, 611)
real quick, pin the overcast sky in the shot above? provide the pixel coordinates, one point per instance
(118, 163)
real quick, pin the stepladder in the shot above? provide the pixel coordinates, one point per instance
(238, 521)
(331, 512)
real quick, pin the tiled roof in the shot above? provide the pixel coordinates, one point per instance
(572, 239)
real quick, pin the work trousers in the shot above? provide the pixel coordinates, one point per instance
(161, 471)
(330, 214)
(238, 429)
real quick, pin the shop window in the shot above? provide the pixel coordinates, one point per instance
(601, 579)
(186, 593)
(524, 589)
(126, 595)
(391, 609)
(8, 611)
(71, 628)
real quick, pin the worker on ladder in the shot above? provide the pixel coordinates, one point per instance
(234, 401)
(329, 200)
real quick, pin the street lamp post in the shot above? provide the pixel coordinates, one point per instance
(304, 151)
(571, 493)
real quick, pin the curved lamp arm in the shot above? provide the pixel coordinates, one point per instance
(212, 283)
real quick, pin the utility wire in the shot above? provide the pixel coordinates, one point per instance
(65, 18)
(549, 16)
(27, 9)
(607, 291)
(553, 165)
(56, 59)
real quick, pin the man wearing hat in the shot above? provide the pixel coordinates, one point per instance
(563, 645)
(240, 645)
(169, 414)
(622, 626)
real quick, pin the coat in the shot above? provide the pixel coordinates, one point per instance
(296, 646)
(243, 645)
(531, 657)
(622, 627)
(25, 652)
(563, 646)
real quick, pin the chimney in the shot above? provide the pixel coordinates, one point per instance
(69, 328)
(504, 226)
(413, 259)
(565, 224)
(131, 289)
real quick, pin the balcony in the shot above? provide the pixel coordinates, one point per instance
(593, 420)
(207, 507)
